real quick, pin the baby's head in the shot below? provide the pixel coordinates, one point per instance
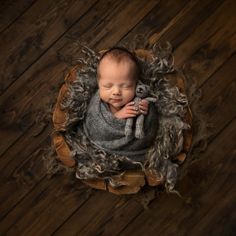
(118, 72)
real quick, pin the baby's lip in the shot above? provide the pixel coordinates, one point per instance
(116, 99)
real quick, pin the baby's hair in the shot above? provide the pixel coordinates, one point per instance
(118, 54)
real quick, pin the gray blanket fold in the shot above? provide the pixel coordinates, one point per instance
(108, 133)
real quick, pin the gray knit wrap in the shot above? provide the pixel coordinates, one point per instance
(108, 132)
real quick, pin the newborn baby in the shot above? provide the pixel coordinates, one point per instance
(117, 74)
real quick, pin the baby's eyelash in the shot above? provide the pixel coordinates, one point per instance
(107, 86)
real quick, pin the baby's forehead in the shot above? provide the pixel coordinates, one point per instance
(110, 60)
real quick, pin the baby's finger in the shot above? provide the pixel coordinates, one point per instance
(144, 102)
(131, 108)
(143, 109)
(130, 104)
(133, 112)
(130, 114)
(141, 106)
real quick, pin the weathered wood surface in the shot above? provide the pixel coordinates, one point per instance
(34, 97)
(29, 37)
(10, 11)
(35, 44)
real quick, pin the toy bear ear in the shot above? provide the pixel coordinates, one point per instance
(140, 83)
(147, 87)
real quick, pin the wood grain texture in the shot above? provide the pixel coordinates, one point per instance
(10, 11)
(41, 80)
(26, 40)
(203, 190)
(27, 101)
(40, 42)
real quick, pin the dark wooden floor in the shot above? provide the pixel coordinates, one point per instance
(38, 37)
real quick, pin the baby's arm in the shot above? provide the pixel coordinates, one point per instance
(128, 111)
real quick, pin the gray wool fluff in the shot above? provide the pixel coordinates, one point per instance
(94, 162)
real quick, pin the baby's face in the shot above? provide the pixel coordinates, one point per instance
(117, 82)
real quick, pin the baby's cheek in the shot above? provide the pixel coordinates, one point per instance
(103, 95)
(130, 96)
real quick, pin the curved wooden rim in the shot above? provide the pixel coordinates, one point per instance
(63, 151)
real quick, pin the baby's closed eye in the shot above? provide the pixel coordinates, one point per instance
(107, 86)
(126, 86)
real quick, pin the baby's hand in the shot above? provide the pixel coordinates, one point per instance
(143, 106)
(128, 111)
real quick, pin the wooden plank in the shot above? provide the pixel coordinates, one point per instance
(22, 149)
(94, 216)
(179, 21)
(37, 89)
(179, 30)
(49, 63)
(185, 22)
(47, 69)
(11, 10)
(113, 27)
(46, 195)
(203, 188)
(225, 70)
(91, 228)
(46, 223)
(225, 75)
(112, 221)
(48, 79)
(22, 167)
(214, 46)
(222, 104)
(52, 63)
(218, 93)
(218, 89)
(214, 40)
(42, 90)
(97, 227)
(210, 95)
(109, 223)
(12, 112)
(220, 220)
(21, 180)
(14, 163)
(10, 98)
(215, 178)
(29, 37)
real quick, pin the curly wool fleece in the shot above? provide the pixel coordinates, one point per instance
(171, 105)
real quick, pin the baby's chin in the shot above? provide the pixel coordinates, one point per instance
(114, 109)
(117, 105)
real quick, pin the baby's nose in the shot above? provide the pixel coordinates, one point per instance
(116, 91)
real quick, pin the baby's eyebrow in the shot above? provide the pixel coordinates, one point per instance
(128, 82)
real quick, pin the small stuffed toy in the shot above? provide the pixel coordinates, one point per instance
(142, 91)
